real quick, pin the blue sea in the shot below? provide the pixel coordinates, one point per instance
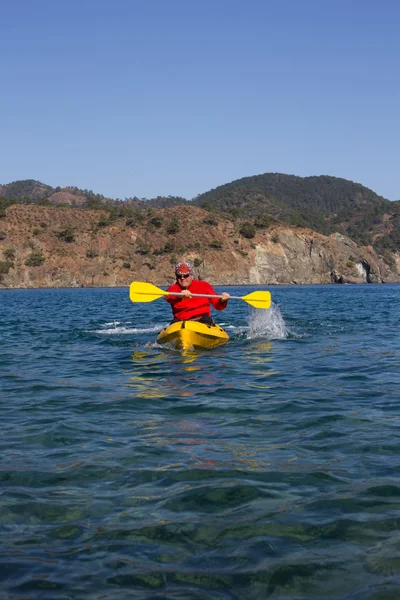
(266, 468)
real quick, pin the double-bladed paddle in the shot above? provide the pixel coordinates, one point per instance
(147, 292)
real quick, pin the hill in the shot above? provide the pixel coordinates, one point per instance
(27, 189)
(324, 204)
(30, 191)
(58, 246)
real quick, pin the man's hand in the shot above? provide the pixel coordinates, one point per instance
(186, 293)
(224, 296)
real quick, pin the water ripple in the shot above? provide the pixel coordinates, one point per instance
(267, 468)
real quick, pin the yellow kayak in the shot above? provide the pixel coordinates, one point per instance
(187, 335)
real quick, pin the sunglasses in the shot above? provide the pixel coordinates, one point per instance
(178, 276)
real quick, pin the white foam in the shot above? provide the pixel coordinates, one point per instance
(128, 330)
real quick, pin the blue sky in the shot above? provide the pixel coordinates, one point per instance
(175, 97)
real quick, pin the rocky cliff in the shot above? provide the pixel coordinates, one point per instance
(49, 246)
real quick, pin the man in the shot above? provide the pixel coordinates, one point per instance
(188, 308)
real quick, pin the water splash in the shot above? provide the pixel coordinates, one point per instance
(267, 324)
(120, 328)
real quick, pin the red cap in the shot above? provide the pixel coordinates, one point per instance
(183, 268)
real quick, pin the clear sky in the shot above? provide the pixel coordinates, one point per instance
(175, 97)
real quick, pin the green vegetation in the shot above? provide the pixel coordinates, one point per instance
(35, 259)
(210, 221)
(388, 258)
(263, 221)
(166, 249)
(243, 253)
(27, 190)
(351, 262)
(247, 230)
(234, 213)
(135, 217)
(173, 226)
(103, 221)
(94, 203)
(91, 253)
(169, 247)
(67, 234)
(9, 253)
(142, 248)
(5, 266)
(4, 204)
(156, 221)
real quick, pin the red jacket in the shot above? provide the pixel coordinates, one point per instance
(191, 308)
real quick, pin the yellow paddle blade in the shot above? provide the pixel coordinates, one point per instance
(258, 299)
(144, 292)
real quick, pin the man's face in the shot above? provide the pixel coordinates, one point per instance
(184, 280)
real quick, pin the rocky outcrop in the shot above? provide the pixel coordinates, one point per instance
(48, 246)
(293, 256)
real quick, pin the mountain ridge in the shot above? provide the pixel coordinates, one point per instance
(61, 246)
(322, 203)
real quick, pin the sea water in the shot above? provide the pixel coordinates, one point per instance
(266, 468)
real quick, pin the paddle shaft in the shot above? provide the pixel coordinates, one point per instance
(201, 295)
